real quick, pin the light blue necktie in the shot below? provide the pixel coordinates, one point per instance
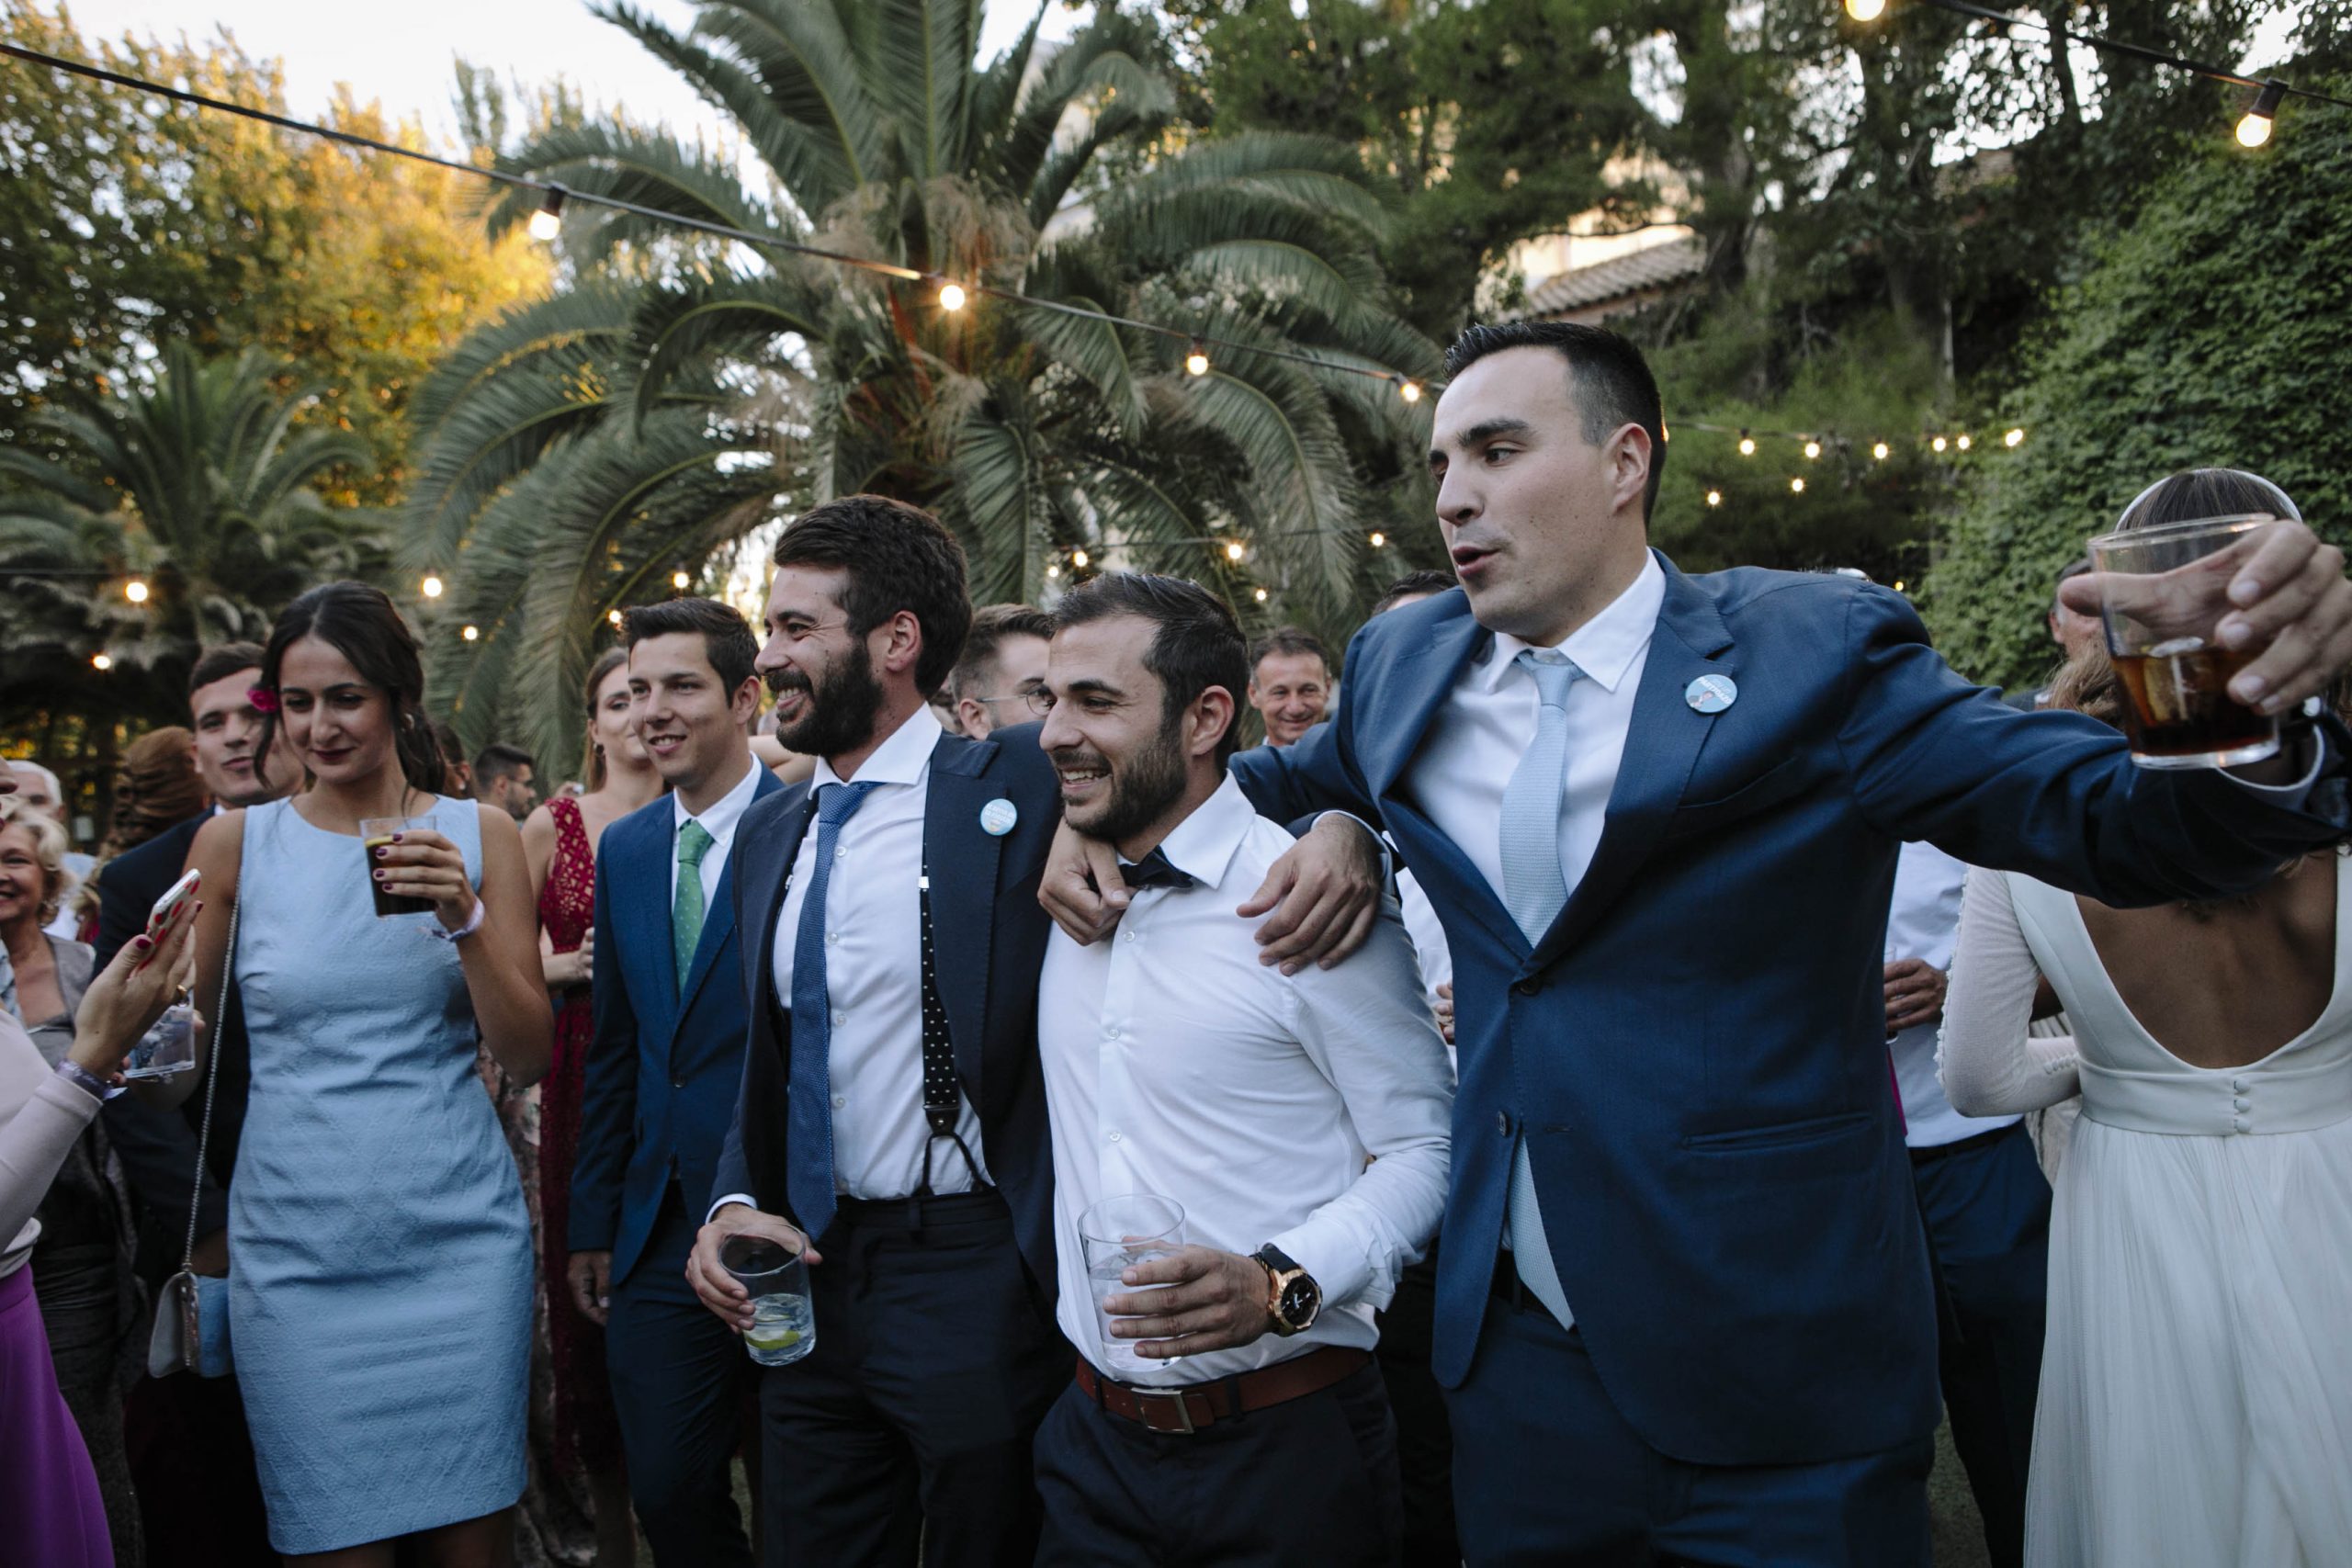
(1535, 892)
(809, 1176)
(686, 909)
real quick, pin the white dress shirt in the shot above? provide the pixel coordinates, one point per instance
(872, 975)
(719, 821)
(1486, 723)
(1923, 923)
(1176, 1064)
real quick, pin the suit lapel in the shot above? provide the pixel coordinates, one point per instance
(962, 857)
(648, 863)
(768, 868)
(718, 917)
(1662, 744)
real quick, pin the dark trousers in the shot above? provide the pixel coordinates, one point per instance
(1987, 1210)
(679, 1378)
(1424, 1434)
(192, 1464)
(1310, 1481)
(905, 1431)
(1547, 1474)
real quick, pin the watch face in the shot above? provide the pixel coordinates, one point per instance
(1298, 1299)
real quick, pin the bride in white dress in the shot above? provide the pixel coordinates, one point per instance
(2196, 1405)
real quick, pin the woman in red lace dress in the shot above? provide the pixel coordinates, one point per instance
(560, 840)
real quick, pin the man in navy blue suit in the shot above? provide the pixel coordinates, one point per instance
(662, 1073)
(892, 1114)
(1683, 1301)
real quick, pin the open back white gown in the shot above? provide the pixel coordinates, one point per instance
(2196, 1404)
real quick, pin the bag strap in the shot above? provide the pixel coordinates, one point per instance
(211, 1085)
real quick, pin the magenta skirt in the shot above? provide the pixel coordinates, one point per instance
(49, 1494)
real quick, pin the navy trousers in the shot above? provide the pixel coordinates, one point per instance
(1424, 1435)
(1310, 1481)
(1547, 1474)
(1987, 1210)
(680, 1378)
(906, 1432)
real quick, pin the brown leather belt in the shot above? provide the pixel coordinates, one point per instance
(1188, 1410)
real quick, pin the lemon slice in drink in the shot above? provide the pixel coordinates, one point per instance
(767, 1337)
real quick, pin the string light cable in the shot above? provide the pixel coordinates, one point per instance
(547, 221)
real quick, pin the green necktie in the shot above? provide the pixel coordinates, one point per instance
(686, 912)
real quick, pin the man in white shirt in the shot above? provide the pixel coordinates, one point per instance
(1986, 1207)
(659, 1085)
(1229, 1411)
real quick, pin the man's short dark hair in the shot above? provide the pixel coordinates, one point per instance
(499, 761)
(220, 661)
(1414, 585)
(1612, 381)
(1199, 643)
(898, 557)
(991, 625)
(1287, 640)
(727, 636)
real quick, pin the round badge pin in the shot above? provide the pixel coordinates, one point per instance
(1711, 693)
(998, 816)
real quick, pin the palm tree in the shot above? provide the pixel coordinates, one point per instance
(579, 451)
(198, 487)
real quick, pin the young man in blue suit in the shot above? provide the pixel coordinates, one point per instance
(892, 1114)
(1683, 1301)
(661, 1077)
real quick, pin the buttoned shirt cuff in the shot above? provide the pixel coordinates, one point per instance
(1344, 1272)
(1387, 874)
(2290, 796)
(743, 1198)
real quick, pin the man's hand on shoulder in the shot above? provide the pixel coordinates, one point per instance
(1081, 888)
(1324, 894)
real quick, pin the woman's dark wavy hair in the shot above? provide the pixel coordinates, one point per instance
(360, 624)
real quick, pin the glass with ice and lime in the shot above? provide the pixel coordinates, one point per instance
(784, 1324)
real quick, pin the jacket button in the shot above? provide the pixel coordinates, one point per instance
(677, 1083)
(1502, 1122)
(1527, 988)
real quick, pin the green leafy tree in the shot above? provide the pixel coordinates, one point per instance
(199, 486)
(2216, 330)
(620, 430)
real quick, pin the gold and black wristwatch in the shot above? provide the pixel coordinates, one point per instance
(1292, 1298)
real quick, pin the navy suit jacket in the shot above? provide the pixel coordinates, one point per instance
(157, 1145)
(1696, 1052)
(665, 1059)
(990, 934)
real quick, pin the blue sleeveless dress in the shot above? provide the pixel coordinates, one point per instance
(380, 1278)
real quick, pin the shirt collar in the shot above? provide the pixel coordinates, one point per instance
(1203, 845)
(718, 818)
(1605, 647)
(900, 760)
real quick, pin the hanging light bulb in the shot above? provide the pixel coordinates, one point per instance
(1938, 443)
(1715, 498)
(135, 591)
(1898, 585)
(1196, 362)
(471, 634)
(614, 616)
(1866, 10)
(679, 581)
(1746, 445)
(1379, 541)
(102, 663)
(432, 586)
(1053, 571)
(1796, 487)
(1233, 551)
(1963, 442)
(2254, 125)
(1261, 596)
(951, 296)
(547, 221)
(2016, 437)
(1813, 448)
(1078, 559)
(1879, 451)
(1408, 391)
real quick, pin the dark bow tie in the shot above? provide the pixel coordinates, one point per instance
(1153, 871)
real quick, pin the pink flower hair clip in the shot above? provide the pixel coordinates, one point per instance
(264, 699)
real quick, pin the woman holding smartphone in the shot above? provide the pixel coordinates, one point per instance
(53, 1512)
(379, 1277)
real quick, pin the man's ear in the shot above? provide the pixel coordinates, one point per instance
(1213, 716)
(902, 643)
(745, 707)
(1629, 466)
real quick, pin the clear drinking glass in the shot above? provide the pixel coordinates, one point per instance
(168, 1048)
(374, 833)
(2163, 591)
(1117, 1234)
(783, 1320)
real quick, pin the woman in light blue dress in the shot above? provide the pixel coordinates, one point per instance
(379, 1253)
